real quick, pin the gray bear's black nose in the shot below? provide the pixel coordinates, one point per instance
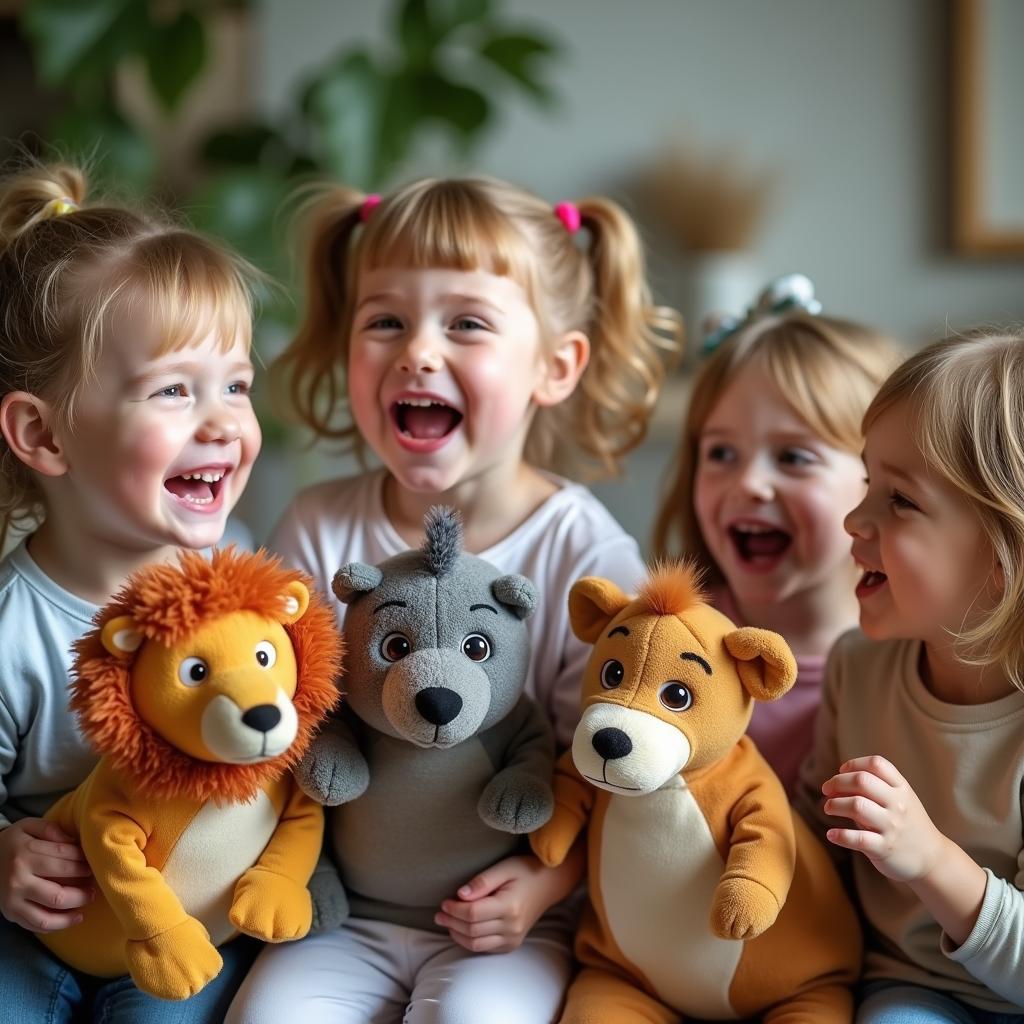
(611, 743)
(262, 718)
(438, 705)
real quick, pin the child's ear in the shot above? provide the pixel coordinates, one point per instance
(765, 664)
(26, 421)
(593, 603)
(563, 368)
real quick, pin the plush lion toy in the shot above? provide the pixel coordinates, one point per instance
(200, 687)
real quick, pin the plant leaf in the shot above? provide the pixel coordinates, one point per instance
(175, 55)
(74, 41)
(105, 142)
(518, 56)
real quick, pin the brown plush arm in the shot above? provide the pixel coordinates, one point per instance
(574, 799)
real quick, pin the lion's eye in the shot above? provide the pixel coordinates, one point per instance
(612, 674)
(676, 696)
(476, 648)
(193, 671)
(266, 653)
(395, 646)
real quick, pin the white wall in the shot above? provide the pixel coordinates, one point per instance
(848, 101)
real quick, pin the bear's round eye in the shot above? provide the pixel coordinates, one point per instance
(675, 696)
(476, 647)
(266, 653)
(395, 646)
(193, 671)
(612, 674)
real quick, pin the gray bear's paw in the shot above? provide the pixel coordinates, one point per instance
(330, 904)
(516, 803)
(333, 771)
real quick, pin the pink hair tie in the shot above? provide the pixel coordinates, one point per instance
(370, 203)
(569, 215)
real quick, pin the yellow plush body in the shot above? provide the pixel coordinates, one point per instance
(191, 822)
(708, 897)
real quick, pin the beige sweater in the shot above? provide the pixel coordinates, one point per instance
(966, 764)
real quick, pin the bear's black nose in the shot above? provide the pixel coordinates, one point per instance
(611, 743)
(262, 718)
(438, 705)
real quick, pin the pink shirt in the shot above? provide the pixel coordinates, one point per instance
(783, 729)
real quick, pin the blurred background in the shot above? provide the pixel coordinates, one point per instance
(874, 145)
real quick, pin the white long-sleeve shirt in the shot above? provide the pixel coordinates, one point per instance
(966, 764)
(570, 535)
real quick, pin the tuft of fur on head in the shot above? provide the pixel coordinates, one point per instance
(671, 589)
(443, 544)
(168, 604)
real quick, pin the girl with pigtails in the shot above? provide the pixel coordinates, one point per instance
(478, 342)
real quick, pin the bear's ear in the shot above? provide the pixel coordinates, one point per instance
(516, 593)
(354, 579)
(294, 602)
(121, 637)
(593, 603)
(765, 664)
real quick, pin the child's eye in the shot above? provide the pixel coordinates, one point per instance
(796, 457)
(240, 387)
(901, 501)
(385, 323)
(468, 323)
(719, 453)
(172, 391)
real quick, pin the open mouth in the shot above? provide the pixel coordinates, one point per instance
(871, 582)
(424, 421)
(760, 547)
(198, 489)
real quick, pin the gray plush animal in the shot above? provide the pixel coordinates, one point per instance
(440, 760)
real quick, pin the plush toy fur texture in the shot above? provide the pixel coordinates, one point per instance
(708, 897)
(191, 821)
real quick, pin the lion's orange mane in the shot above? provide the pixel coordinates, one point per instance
(169, 603)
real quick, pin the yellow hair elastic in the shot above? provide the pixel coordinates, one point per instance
(58, 207)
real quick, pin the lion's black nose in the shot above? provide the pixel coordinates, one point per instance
(262, 718)
(611, 743)
(438, 705)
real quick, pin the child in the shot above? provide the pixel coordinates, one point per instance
(127, 433)
(477, 340)
(768, 465)
(923, 726)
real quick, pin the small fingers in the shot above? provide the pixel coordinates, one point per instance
(860, 783)
(36, 918)
(44, 866)
(475, 930)
(69, 851)
(871, 844)
(876, 765)
(489, 944)
(859, 809)
(472, 913)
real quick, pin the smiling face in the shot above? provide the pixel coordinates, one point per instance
(445, 367)
(161, 445)
(770, 494)
(928, 566)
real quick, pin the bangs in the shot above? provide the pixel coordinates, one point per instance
(451, 224)
(183, 290)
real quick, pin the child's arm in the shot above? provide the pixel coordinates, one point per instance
(43, 871)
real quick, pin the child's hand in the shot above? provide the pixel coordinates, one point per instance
(496, 909)
(35, 857)
(895, 832)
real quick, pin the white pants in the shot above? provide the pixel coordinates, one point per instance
(370, 972)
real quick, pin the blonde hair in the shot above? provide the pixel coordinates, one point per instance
(471, 224)
(826, 368)
(68, 271)
(967, 396)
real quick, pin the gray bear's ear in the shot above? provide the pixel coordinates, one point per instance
(354, 579)
(516, 593)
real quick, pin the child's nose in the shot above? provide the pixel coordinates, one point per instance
(757, 480)
(220, 425)
(857, 523)
(420, 354)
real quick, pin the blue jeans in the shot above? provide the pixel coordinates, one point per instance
(896, 1002)
(36, 988)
